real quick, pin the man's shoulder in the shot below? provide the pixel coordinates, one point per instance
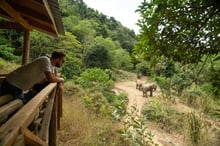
(42, 58)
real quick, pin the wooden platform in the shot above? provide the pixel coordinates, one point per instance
(34, 123)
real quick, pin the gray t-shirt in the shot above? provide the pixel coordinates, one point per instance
(29, 74)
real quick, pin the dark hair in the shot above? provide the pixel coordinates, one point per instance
(57, 54)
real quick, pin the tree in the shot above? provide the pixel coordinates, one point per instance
(180, 30)
(98, 56)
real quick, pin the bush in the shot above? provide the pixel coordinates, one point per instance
(6, 53)
(95, 78)
(118, 104)
(134, 131)
(169, 118)
(72, 66)
(143, 69)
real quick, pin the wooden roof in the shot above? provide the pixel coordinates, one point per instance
(42, 15)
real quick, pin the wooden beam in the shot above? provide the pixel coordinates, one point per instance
(13, 13)
(26, 47)
(19, 141)
(10, 25)
(50, 14)
(32, 139)
(5, 99)
(44, 131)
(9, 109)
(22, 119)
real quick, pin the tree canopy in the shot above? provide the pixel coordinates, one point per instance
(181, 30)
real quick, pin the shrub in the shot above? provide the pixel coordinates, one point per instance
(6, 53)
(96, 78)
(134, 131)
(143, 69)
(169, 118)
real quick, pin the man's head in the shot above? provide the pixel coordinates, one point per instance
(57, 58)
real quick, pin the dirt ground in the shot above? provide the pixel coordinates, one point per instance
(136, 99)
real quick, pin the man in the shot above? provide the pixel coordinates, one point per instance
(26, 76)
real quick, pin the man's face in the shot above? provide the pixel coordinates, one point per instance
(59, 62)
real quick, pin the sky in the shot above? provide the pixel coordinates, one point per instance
(122, 10)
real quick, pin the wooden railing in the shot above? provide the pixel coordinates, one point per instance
(34, 123)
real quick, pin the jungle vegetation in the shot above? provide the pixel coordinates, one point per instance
(177, 47)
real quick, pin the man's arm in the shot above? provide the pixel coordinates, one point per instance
(52, 78)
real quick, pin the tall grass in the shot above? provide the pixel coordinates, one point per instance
(6, 67)
(80, 127)
(198, 133)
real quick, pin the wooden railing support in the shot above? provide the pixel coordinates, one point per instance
(19, 122)
(32, 139)
(53, 125)
(44, 132)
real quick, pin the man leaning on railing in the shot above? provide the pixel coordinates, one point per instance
(37, 71)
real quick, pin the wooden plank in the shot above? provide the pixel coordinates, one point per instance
(59, 106)
(53, 125)
(44, 132)
(60, 102)
(16, 16)
(5, 99)
(32, 139)
(9, 109)
(22, 119)
(19, 141)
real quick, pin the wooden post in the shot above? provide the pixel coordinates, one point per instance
(53, 125)
(44, 132)
(59, 106)
(26, 46)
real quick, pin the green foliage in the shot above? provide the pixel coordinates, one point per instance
(134, 130)
(169, 118)
(72, 66)
(198, 99)
(195, 125)
(40, 44)
(121, 59)
(118, 103)
(106, 104)
(198, 131)
(87, 24)
(164, 67)
(7, 53)
(72, 89)
(143, 69)
(180, 30)
(11, 38)
(155, 111)
(180, 81)
(98, 56)
(96, 102)
(165, 85)
(214, 79)
(95, 78)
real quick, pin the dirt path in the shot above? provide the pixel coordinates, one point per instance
(135, 96)
(136, 99)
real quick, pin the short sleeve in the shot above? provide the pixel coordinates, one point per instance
(45, 64)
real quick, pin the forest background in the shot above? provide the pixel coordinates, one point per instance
(180, 51)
